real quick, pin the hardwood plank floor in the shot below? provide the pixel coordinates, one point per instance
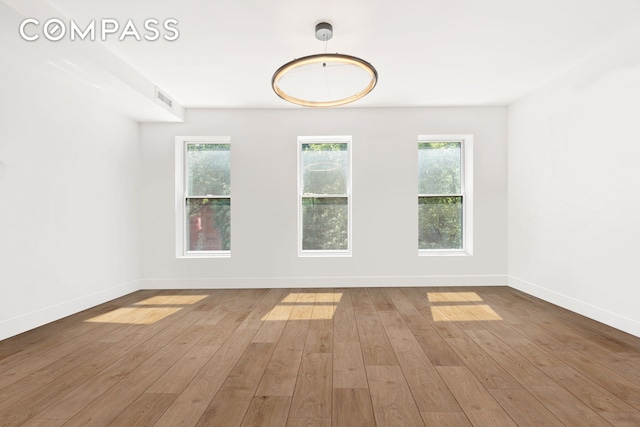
(486, 356)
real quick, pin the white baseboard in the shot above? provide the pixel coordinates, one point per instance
(34, 319)
(323, 282)
(588, 310)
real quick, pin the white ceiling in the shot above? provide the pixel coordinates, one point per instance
(427, 52)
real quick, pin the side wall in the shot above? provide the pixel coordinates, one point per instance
(574, 197)
(264, 199)
(69, 182)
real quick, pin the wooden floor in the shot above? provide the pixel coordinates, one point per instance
(329, 357)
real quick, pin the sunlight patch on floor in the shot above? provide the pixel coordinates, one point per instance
(291, 297)
(135, 315)
(463, 313)
(453, 297)
(301, 312)
(305, 306)
(279, 312)
(149, 310)
(172, 300)
(328, 297)
(324, 312)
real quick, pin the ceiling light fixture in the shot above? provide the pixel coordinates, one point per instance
(325, 79)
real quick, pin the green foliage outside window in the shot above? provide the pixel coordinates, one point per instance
(325, 223)
(325, 220)
(440, 220)
(209, 169)
(440, 202)
(208, 174)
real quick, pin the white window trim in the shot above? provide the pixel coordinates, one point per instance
(180, 192)
(466, 141)
(328, 139)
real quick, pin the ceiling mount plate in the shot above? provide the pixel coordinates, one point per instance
(324, 31)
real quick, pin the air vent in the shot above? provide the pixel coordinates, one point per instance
(164, 98)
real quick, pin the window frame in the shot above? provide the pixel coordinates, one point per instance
(331, 139)
(466, 193)
(181, 144)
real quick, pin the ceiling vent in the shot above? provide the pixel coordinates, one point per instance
(163, 98)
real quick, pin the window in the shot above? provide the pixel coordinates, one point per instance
(324, 187)
(444, 195)
(203, 196)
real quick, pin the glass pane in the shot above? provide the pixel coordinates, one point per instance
(325, 224)
(439, 167)
(440, 223)
(209, 226)
(208, 169)
(324, 168)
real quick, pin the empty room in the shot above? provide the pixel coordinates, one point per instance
(341, 213)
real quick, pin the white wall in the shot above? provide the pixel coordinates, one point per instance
(574, 194)
(69, 182)
(264, 204)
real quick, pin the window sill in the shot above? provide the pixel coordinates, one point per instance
(324, 254)
(444, 253)
(217, 254)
